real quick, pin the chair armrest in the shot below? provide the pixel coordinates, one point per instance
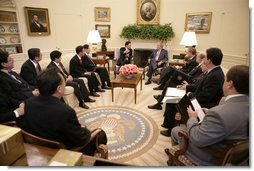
(183, 149)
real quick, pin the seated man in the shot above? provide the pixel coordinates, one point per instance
(78, 70)
(80, 89)
(46, 116)
(157, 59)
(208, 91)
(89, 65)
(31, 68)
(15, 86)
(228, 121)
(125, 54)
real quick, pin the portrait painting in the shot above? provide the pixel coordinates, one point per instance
(37, 20)
(198, 22)
(148, 11)
(102, 14)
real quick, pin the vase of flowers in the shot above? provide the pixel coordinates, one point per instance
(128, 70)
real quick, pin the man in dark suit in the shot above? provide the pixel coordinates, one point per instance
(208, 91)
(91, 66)
(31, 68)
(80, 89)
(36, 26)
(77, 70)
(125, 54)
(15, 86)
(167, 72)
(46, 116)
(157, 59)
(10, 108)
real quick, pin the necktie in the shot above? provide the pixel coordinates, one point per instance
(13, 76)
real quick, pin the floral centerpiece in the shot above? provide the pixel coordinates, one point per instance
(128, 70)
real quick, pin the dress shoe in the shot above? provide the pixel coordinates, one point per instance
(158, 88)
(155, 106)
(165, 133)
(164, 126)
(106, 87)
(148, 82)
(99, 90)
(167, 151)
(83, 105)
(156, 97)
(89, 100)
(94, 94)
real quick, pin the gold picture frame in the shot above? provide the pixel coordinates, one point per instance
(148, 12)
(37, 21)
(102, 14)
(104, 30)
(198, 22)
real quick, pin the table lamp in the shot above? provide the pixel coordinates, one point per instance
(189, 39)
(93, 38)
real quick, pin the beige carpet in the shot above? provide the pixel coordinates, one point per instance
(155, 156)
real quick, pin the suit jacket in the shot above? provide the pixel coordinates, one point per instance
(228, 121)
(208, 91)
(88, 63)
(28, 73)
(48, 117)
(76, 67)
(122, 60)
(190, 64)
(163, 57)
(17, 90)
(53, 65)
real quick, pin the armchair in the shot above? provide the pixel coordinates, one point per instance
(236, 152)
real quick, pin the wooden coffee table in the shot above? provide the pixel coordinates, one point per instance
(121, 81)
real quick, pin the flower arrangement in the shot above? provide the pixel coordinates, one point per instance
(128, 69)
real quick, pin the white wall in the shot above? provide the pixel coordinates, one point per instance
(229, 26)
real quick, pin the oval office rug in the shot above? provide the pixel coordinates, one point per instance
(130, 132)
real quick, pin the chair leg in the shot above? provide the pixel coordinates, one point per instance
(170, 161)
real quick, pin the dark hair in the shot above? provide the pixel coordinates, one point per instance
(33, 52)
(215, 55)
(79, 49)
(86, 46)
(127, 43)
(55, 55)
(3, 58)
(239, 75)
(48, 80)
(192, 50)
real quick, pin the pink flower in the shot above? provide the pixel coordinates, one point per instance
(128, 68)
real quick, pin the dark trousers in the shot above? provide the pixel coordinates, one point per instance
(165, 75)
(104, 76)
(93, 82)
(169, 116)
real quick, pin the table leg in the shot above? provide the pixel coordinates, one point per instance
(141, 83)
(135, 94)
(112, 90)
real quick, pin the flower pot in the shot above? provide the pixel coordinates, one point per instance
(128, 76)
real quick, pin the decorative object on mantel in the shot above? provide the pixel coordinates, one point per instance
(148, 11)
(128, 70)
(156, 32)
(103, 45)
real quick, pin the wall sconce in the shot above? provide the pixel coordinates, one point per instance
(189, 39)
(93, 38)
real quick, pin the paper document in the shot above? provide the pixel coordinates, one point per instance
(198, 108)
(173, 95)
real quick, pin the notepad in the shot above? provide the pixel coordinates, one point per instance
(173, 95)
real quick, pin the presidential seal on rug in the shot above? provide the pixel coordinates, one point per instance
(130, 132)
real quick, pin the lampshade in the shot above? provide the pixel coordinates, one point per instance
(189, 39)
(93, 37)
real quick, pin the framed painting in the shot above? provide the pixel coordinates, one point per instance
(37, 21)
(11, 49)
(198, 22)
(148, 12)
(104, 30)
(102, 14)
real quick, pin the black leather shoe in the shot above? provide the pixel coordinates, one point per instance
(155, 106)
(106, 87)
(167, 151)
(158, 88)
(89, 100)
(94, 94)
(156, 97)
(148, 82)
(165, 133)
(164, 126)
(83, 105)
(99, 90)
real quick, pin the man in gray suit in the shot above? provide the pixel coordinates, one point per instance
(157, 59)
(228, 121)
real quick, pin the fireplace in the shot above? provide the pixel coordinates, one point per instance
(141, 56)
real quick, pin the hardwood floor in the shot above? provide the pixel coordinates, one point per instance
(125, 98)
